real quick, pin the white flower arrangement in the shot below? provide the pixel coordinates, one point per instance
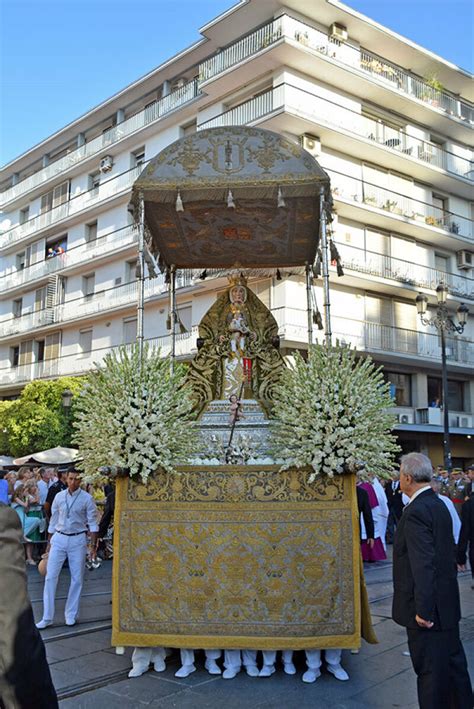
(332, 413)
(134, 418)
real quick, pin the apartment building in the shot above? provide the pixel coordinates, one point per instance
(389, 121)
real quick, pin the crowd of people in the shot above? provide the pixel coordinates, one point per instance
(53, 508)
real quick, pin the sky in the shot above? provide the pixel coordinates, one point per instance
(60, 58)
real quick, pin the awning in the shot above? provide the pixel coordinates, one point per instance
(233, 197)
(53, 456)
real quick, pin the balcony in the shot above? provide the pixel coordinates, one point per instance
(404, 272)
(153, 112)
(365, 63)
(376, 338)
(85, 253)
(82, 202)
(88, 305)
(83, 362)
(310, 106)
(406, 211)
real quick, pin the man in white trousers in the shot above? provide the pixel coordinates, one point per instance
(73, 514)
(333, 665)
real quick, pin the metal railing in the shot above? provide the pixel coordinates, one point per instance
(83, 201)
(320, 110)
(377, 68)
(405, 272)
(86, 252)
(94, 303)
(390, 202)
(153, 112)
(375, 337)
(82, 362)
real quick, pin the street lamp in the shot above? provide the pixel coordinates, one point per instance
(444, 323)
(67, 396)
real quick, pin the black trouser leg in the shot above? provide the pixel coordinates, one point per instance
(471, 558)
(441, 668)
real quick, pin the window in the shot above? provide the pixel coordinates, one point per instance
(138, 157)
(442, 263)
(129, 330)
(24, 215)
(94, 184)
(17, 307)
(39, 347)
(185, 317)
(131, 271)
(189, 128)
(85, 341)
(15, 355)
(55, 197)
(455, 393)
(400, 387)
(91, 233)
(40, 298)
(20, 260)
(88, 285)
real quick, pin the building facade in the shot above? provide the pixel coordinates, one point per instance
(390, 122)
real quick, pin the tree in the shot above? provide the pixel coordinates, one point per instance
(37, 419)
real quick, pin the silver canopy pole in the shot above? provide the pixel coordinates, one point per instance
(173, 315)
(141, 276)
(309, 303)
(325, 268)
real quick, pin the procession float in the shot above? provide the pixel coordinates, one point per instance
(236, 521)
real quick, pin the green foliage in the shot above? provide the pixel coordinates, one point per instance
(134, 415)
(332, 413)
(37, 419)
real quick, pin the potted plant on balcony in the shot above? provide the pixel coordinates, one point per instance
(389, 205)
(432, 91)
(371, 201)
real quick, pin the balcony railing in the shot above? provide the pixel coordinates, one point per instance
(405, 272)
(82, 362)
(310, 106)
(378, 69)
(360, 192)
(375, 337)
(89, 198)
(92, 304)
(153, 112)
(85, 253)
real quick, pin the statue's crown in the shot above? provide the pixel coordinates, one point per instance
(237, 280)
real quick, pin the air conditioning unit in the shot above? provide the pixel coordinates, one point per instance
(117, 281)
(405, 418)
(337, 31)
(465, 259)
(106, 164)
(311, 143)
(464, 422)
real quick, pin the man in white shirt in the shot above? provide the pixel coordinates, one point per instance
(73, 514)
(436, 485)
(43, 484)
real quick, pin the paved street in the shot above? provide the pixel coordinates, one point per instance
(89, 675)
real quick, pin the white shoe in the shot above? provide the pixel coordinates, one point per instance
(355, 651)
(212, 667)
(252, 670)
(230, 673)
(138, 671)
(43, 624)
(267, 671)
(70, 622)
(311, 675)
(159, 665)
(338, 671)
(185, 671)
(289, 668)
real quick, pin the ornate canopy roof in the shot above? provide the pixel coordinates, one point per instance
(271, 184)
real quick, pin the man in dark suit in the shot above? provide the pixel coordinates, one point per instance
(426, 594)
(363, 505)
(25, 680)
(466, 537)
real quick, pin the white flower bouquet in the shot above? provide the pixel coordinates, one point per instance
(134, 418)
(332, 413)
